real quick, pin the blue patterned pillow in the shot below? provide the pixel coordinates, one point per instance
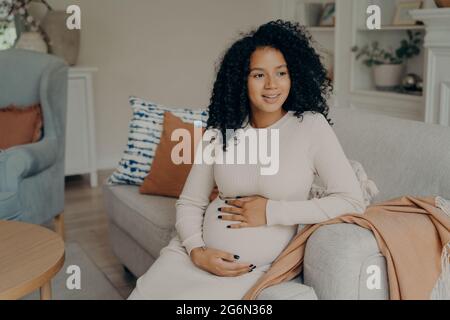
(144, 136)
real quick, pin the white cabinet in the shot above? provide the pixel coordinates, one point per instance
(80, 129)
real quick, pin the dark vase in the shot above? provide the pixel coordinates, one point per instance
(64, 43)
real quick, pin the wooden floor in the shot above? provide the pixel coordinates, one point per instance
(86, 223)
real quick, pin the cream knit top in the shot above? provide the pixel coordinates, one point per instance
(306, 146)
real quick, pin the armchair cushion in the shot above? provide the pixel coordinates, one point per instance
(20, 125)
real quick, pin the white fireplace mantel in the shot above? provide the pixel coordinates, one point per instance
(437, 78)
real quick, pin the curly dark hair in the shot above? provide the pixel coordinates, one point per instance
(310, 86)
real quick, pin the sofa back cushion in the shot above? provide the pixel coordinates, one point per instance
(20, 125)
(403, 157)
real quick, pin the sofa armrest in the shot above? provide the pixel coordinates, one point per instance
(342, 261)
(20, 162)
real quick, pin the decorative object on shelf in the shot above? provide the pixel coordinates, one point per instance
(327, 17)
(410, 82)
(402, 16)
(64, 43)
(32, 40)
(27, 26)
(387, 77)
(419, 85)
(388, 65)
(309, 13)
(442, 3)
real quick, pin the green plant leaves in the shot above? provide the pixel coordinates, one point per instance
(374, 55)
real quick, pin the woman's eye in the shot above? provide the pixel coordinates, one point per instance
(282, 73)
(258, 75)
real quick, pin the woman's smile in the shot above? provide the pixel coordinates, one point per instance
(271, 98)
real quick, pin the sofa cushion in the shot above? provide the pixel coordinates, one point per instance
(166, 177)
(148, 219)
(288, 290)
(145, 131)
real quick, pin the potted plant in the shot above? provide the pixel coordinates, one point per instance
(388, 65)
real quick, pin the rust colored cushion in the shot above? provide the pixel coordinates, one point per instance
(167, 178)
(20, 125)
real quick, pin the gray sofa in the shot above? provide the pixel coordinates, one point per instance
(403, 158)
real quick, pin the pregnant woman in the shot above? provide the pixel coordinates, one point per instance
(271, 80)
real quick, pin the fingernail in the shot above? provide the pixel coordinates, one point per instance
(251, 270)
(236, 256)
(238, 197)
(228, 226)
(251, 266)
(226, 201)
(220, 217)
(220, 209)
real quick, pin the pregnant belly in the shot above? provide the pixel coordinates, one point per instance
(257, 245)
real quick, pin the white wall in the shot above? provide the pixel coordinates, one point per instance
(162, 50)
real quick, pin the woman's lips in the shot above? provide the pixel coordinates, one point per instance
(271, 98)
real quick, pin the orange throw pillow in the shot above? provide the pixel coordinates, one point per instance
(20, 125)
(167, 178)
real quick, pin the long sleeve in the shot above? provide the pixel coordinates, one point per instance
(193, 201)
(344, 194)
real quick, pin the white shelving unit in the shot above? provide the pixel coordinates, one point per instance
(389, 36)
(353, 82)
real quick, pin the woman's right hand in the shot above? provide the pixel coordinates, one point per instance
(219, 262)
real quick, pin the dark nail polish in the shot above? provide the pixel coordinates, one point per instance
(251, 266)
(220, 209)
(238, 197)
(236, 256)
(251, 270)
(220, 217)
(228, 226)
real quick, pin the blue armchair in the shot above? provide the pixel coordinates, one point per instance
(32, 175)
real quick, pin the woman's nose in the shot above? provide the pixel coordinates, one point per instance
(271, 82)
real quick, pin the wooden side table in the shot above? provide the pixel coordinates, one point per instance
(30, 256)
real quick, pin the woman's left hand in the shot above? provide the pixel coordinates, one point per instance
(250, 211)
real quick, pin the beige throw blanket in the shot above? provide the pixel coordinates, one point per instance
(413, 233)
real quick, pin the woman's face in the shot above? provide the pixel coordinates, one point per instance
(268, 81)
